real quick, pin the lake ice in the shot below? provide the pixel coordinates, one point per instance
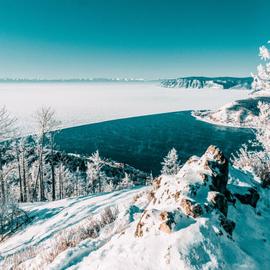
(85, 103)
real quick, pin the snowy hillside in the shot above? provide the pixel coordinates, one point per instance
(208, 216)
(55, 221)
(239, 113)
(208, 82)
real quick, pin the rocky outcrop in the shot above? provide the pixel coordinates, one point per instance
(199, 188)
(219, 166)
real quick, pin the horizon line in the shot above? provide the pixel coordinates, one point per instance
(115, 79)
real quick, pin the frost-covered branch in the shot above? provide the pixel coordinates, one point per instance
(261, 80)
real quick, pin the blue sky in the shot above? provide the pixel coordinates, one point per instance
(141, 38)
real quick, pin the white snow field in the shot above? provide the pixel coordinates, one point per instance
(85, 103)
(179, 223)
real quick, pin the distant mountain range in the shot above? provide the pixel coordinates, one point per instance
(208, 82)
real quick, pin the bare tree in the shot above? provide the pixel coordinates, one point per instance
(46, 125)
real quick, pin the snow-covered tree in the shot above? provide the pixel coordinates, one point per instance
(149, 179)
(79, 182)
(261, 80)
(94, 174)
(7, 124)
(108, 187)
(263, 130)
(126, 181)
(7, 128)
(33, 181)
(46, 124)
(255, 156)
(170, 164)
(64, 182)
(23, 151)
(6, 173)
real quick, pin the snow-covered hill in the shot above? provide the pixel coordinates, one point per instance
(208, 216)
(239, 113)
(208, 82)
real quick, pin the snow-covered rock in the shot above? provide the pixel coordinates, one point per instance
(208, 82)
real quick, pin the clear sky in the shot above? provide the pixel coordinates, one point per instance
(131, 38)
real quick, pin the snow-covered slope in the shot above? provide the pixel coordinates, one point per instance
(208, 82)
(240, 113)
(51, 219)
(209, 216)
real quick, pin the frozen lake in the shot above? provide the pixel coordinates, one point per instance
(84, 103)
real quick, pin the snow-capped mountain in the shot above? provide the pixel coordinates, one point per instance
(208, 82)
(208, 216)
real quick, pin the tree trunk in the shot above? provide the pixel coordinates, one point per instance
(99, 183)
(41, 182)
(3, 195)
(20, 174)
(24, 178)
(60, 186)
(52, 168)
